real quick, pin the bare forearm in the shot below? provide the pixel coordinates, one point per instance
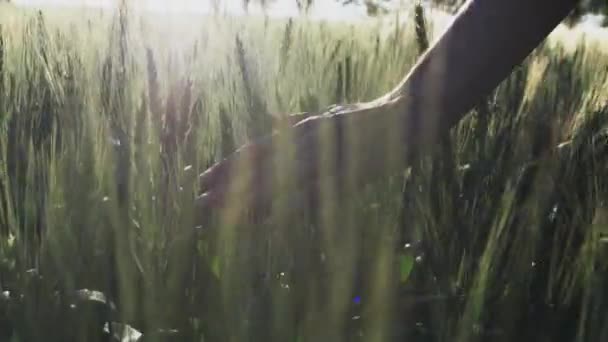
(487, 39)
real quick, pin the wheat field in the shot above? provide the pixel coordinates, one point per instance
(106, 117)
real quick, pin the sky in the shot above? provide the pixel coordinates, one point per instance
(322, 9)
(325, 9)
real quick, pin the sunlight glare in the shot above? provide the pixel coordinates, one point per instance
(321, 9)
